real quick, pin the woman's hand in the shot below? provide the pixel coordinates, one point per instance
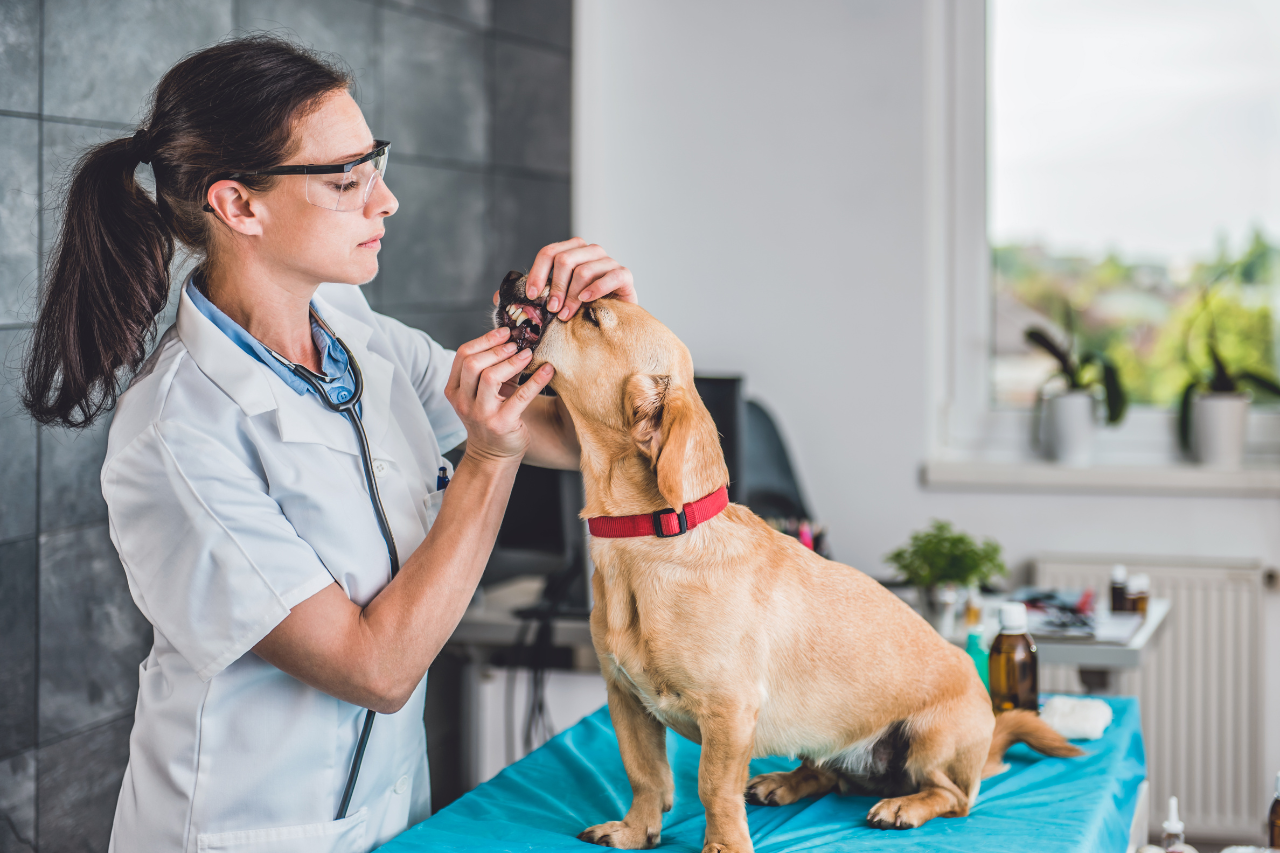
(580, 272)
(495, 429)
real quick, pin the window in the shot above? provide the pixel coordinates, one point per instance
(1134, 150)
(1098, 164)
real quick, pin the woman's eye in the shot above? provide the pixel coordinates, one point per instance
(344, 183)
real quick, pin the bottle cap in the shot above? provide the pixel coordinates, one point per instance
(1173, 825)
(1013, 618)
(1138, 584)
(1119, 573)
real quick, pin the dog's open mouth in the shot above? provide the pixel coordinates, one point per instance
(523, 317)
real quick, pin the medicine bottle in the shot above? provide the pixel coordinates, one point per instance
(1274, 827)
(1119, 600)
(1138, 593)
(1174, 838)
(1012, 663)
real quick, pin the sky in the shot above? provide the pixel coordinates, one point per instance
(1151, 127)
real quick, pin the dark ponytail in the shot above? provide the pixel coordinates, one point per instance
(227, 108)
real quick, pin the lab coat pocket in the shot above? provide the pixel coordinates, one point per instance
(332, 836)
(432, 503)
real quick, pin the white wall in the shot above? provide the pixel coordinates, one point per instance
(760, 167)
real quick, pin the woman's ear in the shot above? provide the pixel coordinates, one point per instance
(665, 425)
(232, 204)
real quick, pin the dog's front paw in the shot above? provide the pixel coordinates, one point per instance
(617, 834)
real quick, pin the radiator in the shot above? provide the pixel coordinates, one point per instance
(1199, 686)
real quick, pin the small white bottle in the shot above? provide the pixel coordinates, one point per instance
(1175, 839)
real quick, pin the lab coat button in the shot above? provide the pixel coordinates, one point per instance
(379, 468)
(402, 784)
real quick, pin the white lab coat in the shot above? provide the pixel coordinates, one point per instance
(231, 499)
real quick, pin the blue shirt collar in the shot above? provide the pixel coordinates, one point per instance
(340, 383)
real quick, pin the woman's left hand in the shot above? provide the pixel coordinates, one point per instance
(579, 272)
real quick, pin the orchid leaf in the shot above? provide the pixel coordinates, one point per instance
(1117, 400)
(1038, 337)
(1222, 382)
(1184, 417)
(1258, 380)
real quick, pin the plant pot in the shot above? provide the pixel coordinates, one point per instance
(1217, 429)
(1069, 427)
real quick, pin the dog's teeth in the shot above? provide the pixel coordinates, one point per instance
(520, 318)
(512, 309)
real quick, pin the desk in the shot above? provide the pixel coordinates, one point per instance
(1096, 660)
(1050, 805)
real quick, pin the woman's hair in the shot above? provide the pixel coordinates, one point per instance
(228, 108)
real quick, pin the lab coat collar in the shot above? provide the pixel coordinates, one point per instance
(255, 390)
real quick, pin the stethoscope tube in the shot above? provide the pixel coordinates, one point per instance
(348, 408)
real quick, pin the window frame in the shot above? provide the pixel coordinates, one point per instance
(966, 426)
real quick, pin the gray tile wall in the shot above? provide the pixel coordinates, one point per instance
(473, 94)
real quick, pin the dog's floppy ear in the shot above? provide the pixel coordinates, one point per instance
(665, 426)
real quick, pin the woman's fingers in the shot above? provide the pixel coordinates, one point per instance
(492, 378)
(617, 281)
(541, 269)
(562, 272)
(486, 341)
(593, 280)
(474, 366)
(523, 396)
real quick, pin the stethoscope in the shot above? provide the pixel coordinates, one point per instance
(348, 407)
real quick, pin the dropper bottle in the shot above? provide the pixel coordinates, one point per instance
(1175, 839)
(1274, 818)
(1119, 579)
(1012, 670)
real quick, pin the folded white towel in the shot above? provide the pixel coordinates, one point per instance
(1075, 718)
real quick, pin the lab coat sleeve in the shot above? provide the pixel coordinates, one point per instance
(211, 559)
(427, 365)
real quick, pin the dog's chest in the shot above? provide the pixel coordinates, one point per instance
(653, 688)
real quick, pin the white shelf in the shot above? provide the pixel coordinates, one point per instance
(1095, 655)
(1179, 480)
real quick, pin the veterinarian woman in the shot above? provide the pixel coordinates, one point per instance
(237, 495)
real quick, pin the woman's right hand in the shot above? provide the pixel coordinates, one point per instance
(495, 429)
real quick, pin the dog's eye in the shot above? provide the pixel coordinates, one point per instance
(589, 314)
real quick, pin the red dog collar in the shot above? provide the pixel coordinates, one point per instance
(664, 523)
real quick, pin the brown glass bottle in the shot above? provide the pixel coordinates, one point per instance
(1274, 821)
(1119, 600)
(1012, 663)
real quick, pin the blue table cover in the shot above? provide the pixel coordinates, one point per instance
(576, 780)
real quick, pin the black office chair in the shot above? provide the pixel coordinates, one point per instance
(768, 480)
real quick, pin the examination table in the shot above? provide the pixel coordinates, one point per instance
(1081, 805)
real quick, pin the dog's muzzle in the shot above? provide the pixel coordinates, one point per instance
(524, 317)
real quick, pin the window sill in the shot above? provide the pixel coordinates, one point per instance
(1168, 480)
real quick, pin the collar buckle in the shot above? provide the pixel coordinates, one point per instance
(657, 523)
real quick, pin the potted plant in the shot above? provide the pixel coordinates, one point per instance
(1069, 416)
(1214, 410)
(941, 555)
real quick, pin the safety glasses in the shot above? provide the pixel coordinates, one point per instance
(339, 186)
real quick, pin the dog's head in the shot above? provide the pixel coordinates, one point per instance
(628, 384)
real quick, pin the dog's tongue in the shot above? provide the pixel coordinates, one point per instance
(533, 313)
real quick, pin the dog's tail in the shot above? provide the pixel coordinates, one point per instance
(1022, 726)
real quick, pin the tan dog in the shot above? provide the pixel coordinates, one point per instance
(737, 636)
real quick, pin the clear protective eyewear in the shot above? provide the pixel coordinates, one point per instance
(340, 186)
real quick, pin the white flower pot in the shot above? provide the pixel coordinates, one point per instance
(1069, 428)
(1217, 429)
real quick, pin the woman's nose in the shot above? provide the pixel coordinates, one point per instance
(382, 201)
